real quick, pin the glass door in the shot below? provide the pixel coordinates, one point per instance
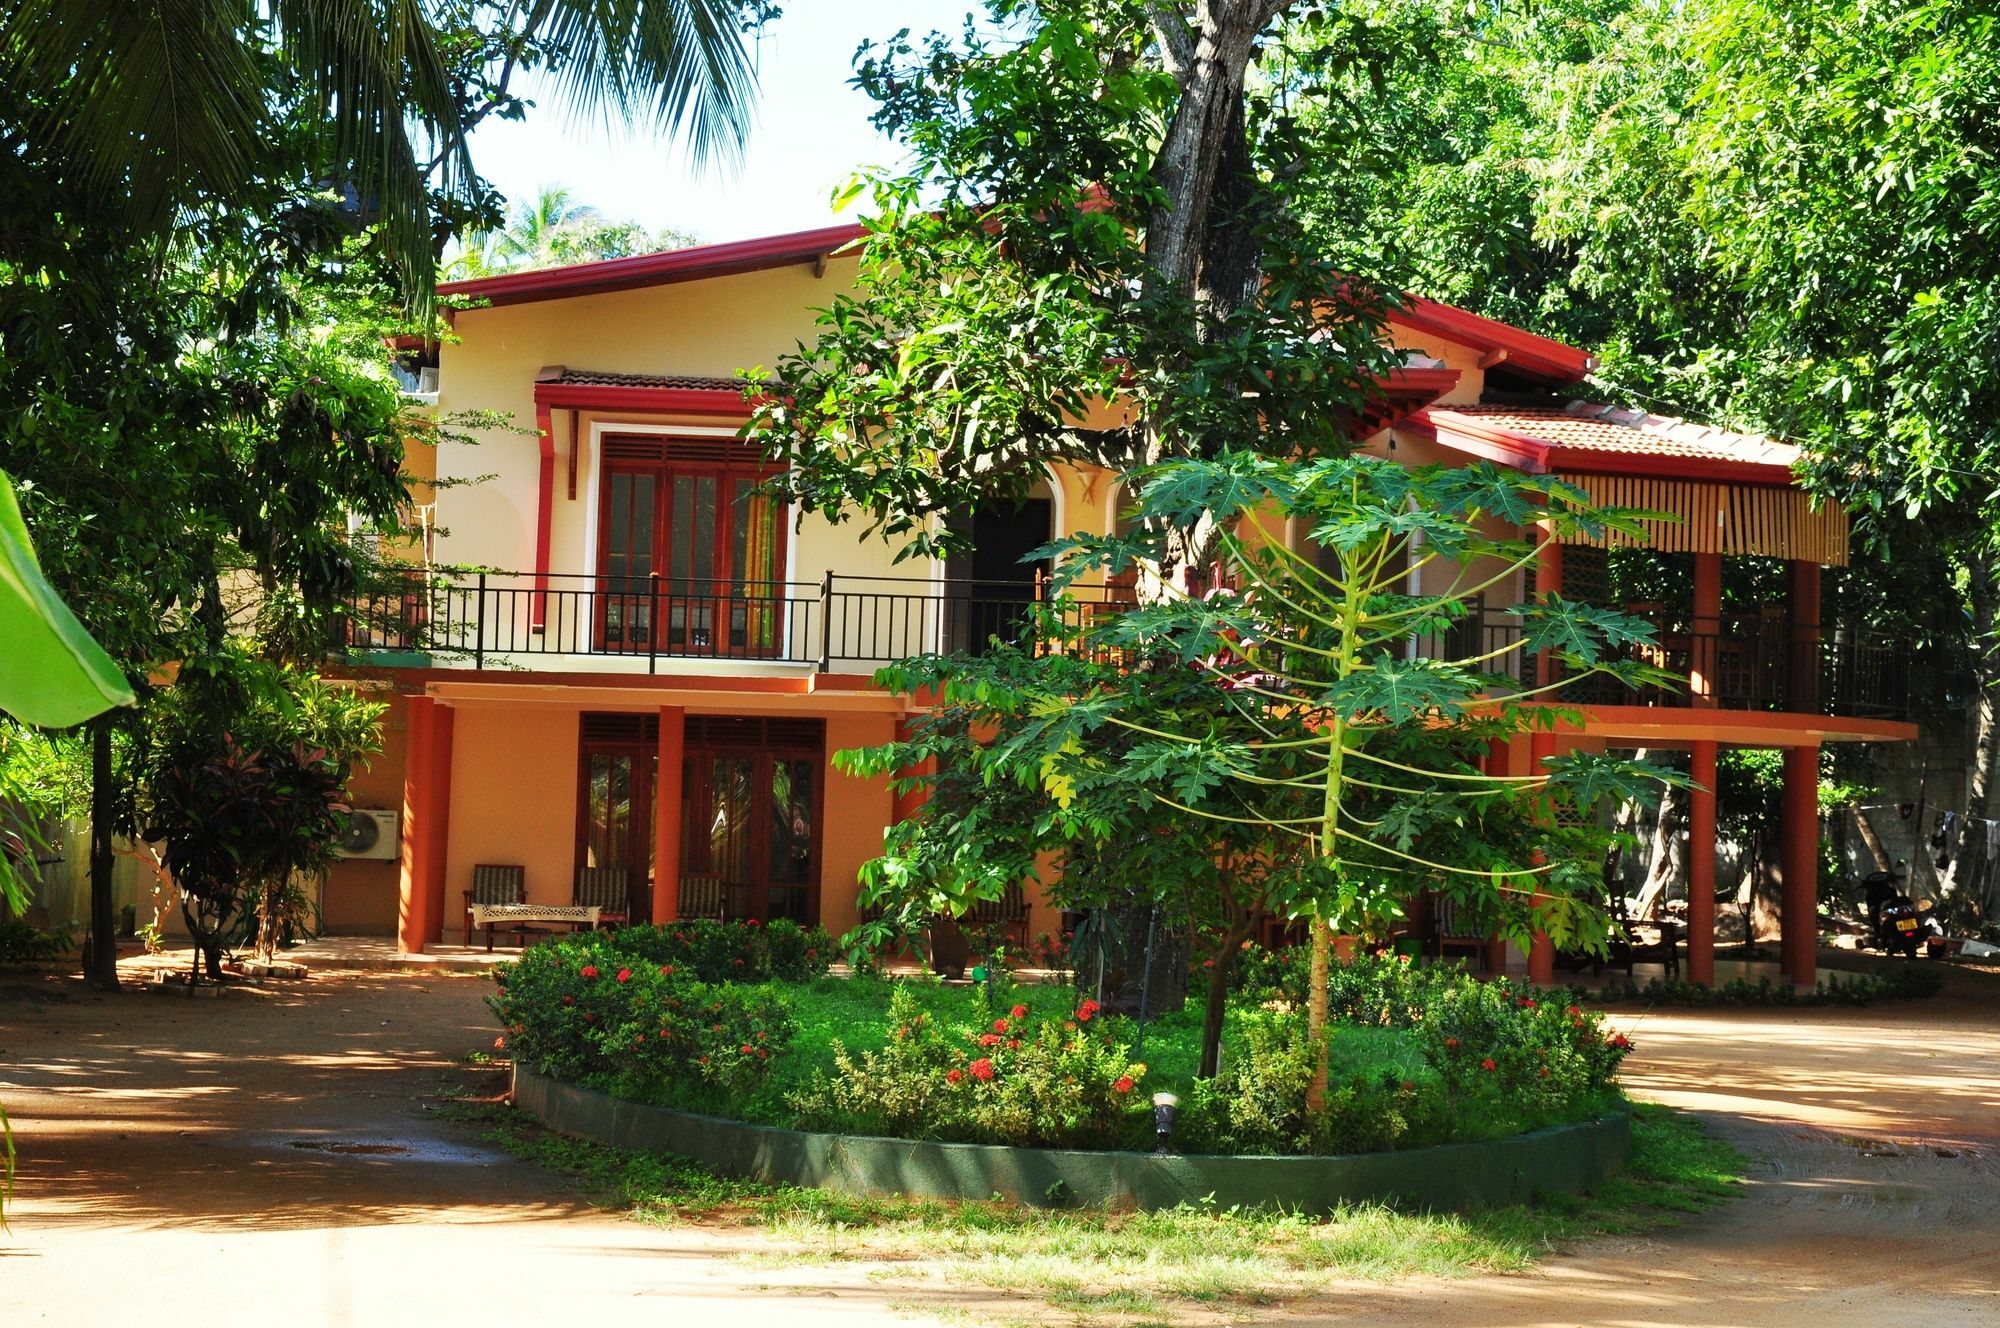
(631, 520)
(792, 866)
(615, 817)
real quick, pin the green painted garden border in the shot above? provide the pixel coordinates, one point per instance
(1563, 1159)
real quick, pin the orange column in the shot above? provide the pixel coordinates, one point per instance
(1541, 953)
(667, 816)
(1701, 866)
(1707, 628)
(1799, 852)
(1548, 581)
(426, 821)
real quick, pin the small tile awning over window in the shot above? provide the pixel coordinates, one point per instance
(1740, 499)
(682, 382)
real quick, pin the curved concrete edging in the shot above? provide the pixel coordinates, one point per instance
(1563, 1159)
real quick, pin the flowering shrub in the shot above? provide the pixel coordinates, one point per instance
(1493, 1044)
(714, 951)
(585, 1013)
(1005, 1076)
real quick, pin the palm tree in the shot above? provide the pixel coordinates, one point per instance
(171, 103)
(550, 229)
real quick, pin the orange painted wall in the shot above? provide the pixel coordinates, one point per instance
(360, 894)
(857, 812)
(513, 800)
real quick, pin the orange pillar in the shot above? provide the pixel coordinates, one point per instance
(1541, 953)
(667, 815)
(1707, 628)
(426, 822)
(1701, 866)
(1548, 581)
(1799, 852)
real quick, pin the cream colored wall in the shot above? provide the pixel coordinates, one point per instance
(711, 328)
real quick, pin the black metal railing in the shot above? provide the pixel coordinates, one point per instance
(496, 620)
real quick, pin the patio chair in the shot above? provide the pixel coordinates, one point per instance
(1009, 911)
(1452, 927)
(494, 883)
(703, 896)
(608, 890)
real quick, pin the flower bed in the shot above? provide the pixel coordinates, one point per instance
(1420, 1056)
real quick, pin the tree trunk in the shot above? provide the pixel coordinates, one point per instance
(1666, 863)
(1316, 1010)
(102, 951)
(1218, 995)
(1968, 876)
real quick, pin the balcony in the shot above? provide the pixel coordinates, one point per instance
(843, 624)
(838, 624)
(1756, 661)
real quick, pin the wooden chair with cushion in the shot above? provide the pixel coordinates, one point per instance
(608, 890)
(702, 896)
(494, 883)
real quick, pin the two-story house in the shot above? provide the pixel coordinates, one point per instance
(619, 658)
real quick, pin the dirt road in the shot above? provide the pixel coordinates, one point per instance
(278, 1151)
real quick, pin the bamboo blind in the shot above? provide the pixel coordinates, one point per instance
(1738, 520)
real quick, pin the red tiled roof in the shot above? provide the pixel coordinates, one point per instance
(1587, 435)
(684, 382)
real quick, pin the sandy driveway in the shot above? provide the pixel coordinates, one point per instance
(276, 1148)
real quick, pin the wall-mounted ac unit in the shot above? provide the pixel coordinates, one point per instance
(370, 833)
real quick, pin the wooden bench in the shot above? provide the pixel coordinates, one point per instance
(1452, 927)
(497, 902)
(1009, 911)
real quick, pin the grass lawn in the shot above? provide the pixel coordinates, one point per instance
(1102, 1268)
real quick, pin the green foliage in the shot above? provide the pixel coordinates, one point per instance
(590, 1014)
(23, 944)
(1909, 981)
(242, 773)
(1004, 1076)
(718, 951)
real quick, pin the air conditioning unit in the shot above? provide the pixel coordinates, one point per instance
(370, 833)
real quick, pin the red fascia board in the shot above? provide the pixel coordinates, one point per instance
(1673, 467)
(620, 274)
(1490, 444)
(651, 400)
(1407, 382)
(1541, 356)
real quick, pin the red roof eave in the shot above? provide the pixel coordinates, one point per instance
(648, 400)
(691, 264)
(1541, 356)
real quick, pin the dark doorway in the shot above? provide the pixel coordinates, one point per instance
(752, 804)
(618, 767)
(993, 587)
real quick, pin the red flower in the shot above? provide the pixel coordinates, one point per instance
(666, 970)
(1070, 1024)
(1487, 1064)
(1451, 1044)
(569, 1000)
(1527, 1003)
(624, 975)
(1123, 1084)
(982, 1069)
(1409, 1085)
(590, 1019)
(590, 970)
(1571, 1010)
(761, 1036)
(737, 962)
(749, 922)
(1019, 1012)
(500, 1043)
(1543, 1072)
(746, 1049)
(989, 1039)
(1013, 1043)
(1620, 1041)
(999, 1025)
(953, 1076)
(1208, 963)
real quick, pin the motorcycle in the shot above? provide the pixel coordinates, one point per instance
(1901, 924)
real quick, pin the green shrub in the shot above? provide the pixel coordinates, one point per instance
(716, 951)
(1915, 980)
(1001, 1078)
(22, 944)
(1501, 1052)
(586, 1013)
